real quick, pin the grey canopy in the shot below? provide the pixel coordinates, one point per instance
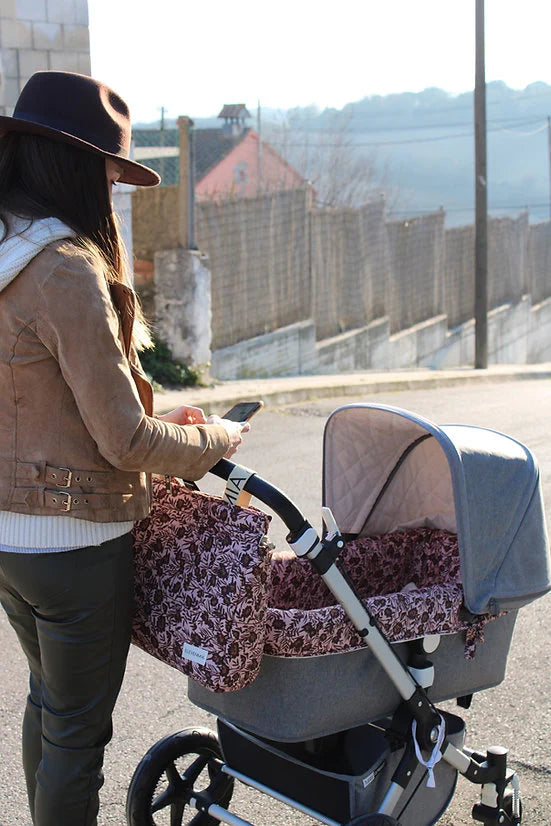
(387, 469)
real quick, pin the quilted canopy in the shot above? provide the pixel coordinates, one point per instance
(386, 468)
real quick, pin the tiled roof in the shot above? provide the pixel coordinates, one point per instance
(211, 146)
(234, 110)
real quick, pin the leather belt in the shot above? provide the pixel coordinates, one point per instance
(62, 500)
(52, 476)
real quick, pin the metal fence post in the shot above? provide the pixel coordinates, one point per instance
(481, 197)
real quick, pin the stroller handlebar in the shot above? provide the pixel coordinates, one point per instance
(270, 496)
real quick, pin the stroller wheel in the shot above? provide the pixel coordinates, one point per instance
(174, 770)
(373, 820)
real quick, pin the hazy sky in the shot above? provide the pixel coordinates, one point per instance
(192, 57)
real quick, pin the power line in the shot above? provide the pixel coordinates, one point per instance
(413, 127)
(328, 145)
(524, 134)
(466, 209)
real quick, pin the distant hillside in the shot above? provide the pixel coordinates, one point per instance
(419, 149)
(422, 146)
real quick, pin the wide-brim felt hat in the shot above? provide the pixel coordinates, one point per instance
(76, 109)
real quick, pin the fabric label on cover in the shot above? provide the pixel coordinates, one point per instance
(194, 653)
(372, 775)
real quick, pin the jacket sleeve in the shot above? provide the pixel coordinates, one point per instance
(77, 322)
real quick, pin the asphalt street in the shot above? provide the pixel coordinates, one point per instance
(285, 447)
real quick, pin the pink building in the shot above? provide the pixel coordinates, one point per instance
(232, 161)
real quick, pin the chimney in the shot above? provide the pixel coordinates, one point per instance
(234, 115)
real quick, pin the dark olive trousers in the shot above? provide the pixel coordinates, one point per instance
(72, 613)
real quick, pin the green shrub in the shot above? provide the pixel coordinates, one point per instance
(158, 363)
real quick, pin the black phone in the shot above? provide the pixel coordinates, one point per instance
(243, 411)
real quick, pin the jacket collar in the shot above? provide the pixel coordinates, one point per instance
(26, 239)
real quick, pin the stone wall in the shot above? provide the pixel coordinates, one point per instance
(277, 262)
(37, 35)
(155, 220)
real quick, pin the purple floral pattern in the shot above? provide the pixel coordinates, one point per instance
(303, 619)
(377, 565)
(201, 575)
(205, 579)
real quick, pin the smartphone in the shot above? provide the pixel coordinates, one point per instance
(243, 411)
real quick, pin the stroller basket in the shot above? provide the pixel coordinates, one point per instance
(340, 776)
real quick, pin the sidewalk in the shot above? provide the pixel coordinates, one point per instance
(219, 397)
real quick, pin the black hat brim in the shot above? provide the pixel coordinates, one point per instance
(133, 172)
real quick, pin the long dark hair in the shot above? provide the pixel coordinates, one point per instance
(43, 178)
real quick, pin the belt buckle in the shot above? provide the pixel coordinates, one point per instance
(62, 504)
(68, 478)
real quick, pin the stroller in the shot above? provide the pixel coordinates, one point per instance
(434, 537)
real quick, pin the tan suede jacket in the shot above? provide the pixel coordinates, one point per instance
(77, 434)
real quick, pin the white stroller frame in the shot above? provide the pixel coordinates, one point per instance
(433, 735)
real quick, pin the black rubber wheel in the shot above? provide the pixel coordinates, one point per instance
(173, 770)
(373, 820)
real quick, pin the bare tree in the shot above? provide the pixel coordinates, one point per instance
(340, 171)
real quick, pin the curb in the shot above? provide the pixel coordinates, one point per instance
(279, 391)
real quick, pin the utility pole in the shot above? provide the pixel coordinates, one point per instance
(162, 142)
(259, 151)
(481, 198)
(549, 161)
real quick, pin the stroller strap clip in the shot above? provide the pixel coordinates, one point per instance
(436, 754)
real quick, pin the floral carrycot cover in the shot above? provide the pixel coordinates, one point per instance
(453, 505)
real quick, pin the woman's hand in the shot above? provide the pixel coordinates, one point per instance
(194, 415)
(234, 431)
(184, 415)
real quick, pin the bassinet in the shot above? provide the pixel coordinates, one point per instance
(467, 497)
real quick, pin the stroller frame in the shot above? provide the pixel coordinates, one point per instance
(499, 786)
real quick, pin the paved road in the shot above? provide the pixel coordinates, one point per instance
(285, 447)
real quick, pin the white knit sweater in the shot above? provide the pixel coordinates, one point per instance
(38, 534)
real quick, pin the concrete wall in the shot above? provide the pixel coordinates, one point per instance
(181, 305)
(517, 334)
(37, 35)
(539, 339)
(289, 351)
(362, 349)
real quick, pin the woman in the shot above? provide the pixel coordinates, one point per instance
(77, 431)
